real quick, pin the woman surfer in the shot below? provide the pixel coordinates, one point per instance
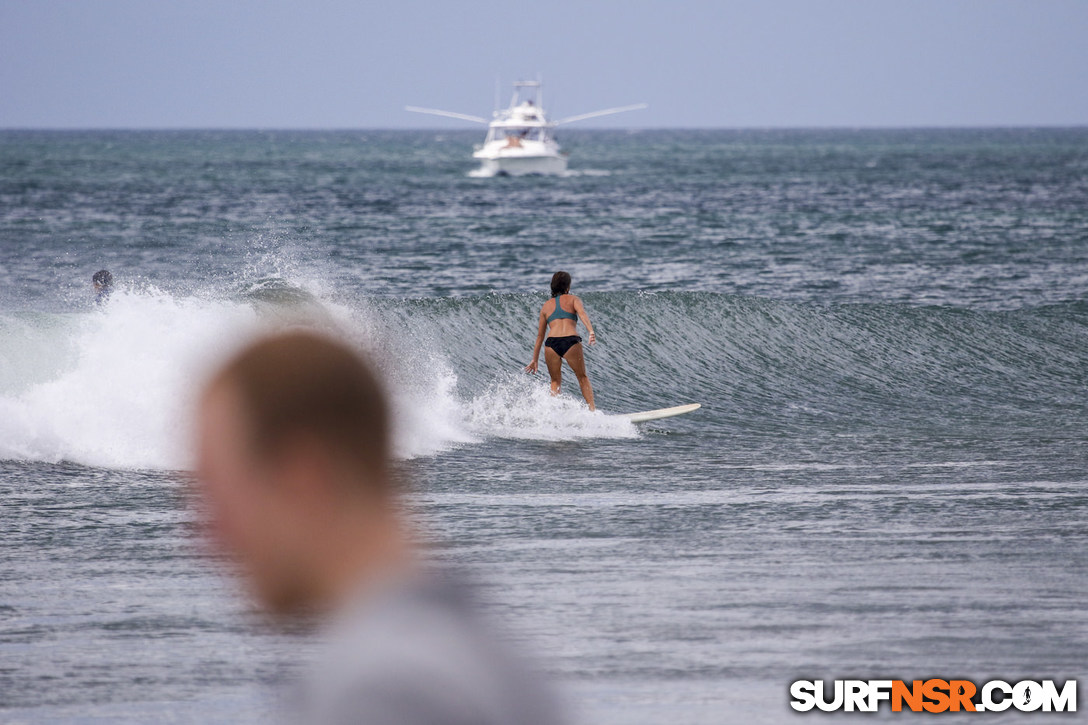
(559, 317)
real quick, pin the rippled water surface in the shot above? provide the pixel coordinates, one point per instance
(887, 331)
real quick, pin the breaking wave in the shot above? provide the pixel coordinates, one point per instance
(114, 386)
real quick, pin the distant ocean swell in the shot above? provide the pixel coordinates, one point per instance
(113, 387)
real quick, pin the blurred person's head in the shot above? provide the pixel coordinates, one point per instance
(294, 464)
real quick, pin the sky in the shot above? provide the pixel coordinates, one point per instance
(698, 63)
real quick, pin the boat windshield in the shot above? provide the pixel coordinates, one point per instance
(524, 133)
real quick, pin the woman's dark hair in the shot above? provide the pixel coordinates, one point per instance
(560, 283)
(103, 277)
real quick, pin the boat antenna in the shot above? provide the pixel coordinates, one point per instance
(498, 91)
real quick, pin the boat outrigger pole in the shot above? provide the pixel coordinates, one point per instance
(605, 112)
(449, 114)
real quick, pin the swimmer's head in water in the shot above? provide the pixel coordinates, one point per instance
(560, 283)
(102, 279)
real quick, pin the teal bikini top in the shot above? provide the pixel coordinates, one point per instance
(560, 313)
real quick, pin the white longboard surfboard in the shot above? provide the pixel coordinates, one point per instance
(660, 413)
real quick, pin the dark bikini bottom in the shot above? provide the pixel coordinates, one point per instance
(562, 344)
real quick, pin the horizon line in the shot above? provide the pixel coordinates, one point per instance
(771, 127)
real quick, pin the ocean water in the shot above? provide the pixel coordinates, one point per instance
(888, 331)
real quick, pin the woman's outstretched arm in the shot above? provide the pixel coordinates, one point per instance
(584, 317)
(540, 330)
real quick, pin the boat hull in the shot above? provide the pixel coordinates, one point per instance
(523, 165)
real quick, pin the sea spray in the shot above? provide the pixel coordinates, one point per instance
(519, 407)
(124, 378)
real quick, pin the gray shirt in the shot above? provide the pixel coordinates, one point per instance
(416, 652)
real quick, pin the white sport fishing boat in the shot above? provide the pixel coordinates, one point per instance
(519, 138)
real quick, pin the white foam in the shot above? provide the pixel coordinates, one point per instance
(124, 378)
(427, 415)
(570, 173)
(522, 407)
(115, 387)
